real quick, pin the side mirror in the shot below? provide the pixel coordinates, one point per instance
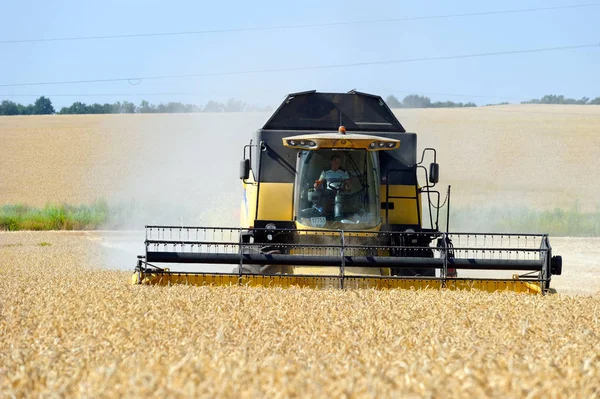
(245, 169)
(434, 173)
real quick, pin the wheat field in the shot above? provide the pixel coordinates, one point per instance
(70, 327)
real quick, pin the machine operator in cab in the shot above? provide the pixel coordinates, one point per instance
(334, 178)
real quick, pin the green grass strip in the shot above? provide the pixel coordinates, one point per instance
(54, 217)
(557, 222)
(571, 222)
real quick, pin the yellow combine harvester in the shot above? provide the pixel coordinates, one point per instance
(332, 199)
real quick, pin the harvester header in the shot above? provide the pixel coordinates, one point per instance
(336, 196)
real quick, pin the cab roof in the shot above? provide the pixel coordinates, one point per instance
(311, 110)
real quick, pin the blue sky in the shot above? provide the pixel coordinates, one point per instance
(509, 77)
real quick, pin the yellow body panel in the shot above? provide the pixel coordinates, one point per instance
(405, 210)
(248, 208)
(275, 202)
(350, 282)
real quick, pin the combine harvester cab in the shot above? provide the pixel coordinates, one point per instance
(332, 199)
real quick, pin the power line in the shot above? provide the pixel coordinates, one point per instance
(137, 80)
(300, 26)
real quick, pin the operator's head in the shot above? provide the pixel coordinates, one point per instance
(335, 162)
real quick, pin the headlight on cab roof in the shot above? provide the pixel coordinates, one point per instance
(381, 145)
(301, 143)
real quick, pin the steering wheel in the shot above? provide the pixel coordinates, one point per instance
(335, 185)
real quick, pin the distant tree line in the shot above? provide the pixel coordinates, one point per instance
(43, 106)
(502, 103)
(416, 101)
(554, 99)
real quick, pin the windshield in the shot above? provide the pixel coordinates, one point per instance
(337, 189)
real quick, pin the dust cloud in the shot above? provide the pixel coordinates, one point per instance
(177, 169)
(170, 170)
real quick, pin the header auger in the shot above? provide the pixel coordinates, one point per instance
(332, 199)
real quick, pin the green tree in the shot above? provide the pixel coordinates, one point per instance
(100, 109)
(451, 104)
(128, 108)
(213, 106)
(116, 108)
(9, 108)
(26, 109)
(595, 101)
(234, 105)
(146, 108)
(43, 106)
(393, 102)
(554, 99)
(416, 101)
(76, 108)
